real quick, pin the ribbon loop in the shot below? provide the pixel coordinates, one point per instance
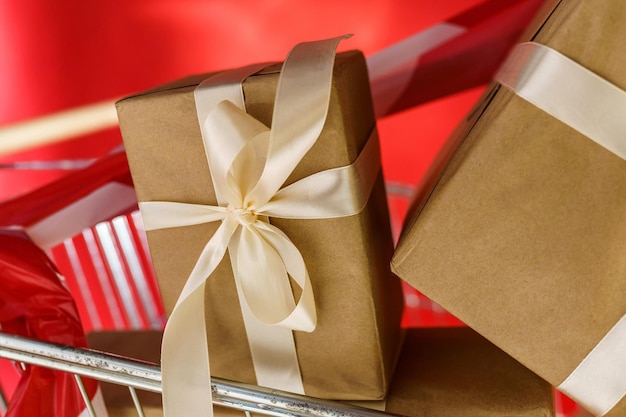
(303, 316)
(269, 285)
(232, 137)
(332, 193)
(299, 113)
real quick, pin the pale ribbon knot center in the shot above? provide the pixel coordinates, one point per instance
(244, 216)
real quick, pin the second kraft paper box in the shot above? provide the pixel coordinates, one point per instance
(523, 236)
(352, 352)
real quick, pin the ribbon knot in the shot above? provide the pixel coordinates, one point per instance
(249, 170)
(244, 216)
(263, 257)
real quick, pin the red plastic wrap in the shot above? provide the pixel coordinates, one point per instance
(35, 303)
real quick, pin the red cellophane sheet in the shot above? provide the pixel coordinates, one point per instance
(35, 303)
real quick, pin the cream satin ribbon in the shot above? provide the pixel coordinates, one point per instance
(249, 164)
(272, 348)
(597, 109)
(569, 92)
(599, 381)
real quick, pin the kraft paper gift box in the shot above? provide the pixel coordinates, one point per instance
(441, 372)
(142, 345)
(523, 235)
(456, 372)
(352, 351)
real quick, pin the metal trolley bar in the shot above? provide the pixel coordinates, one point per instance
(147, 376)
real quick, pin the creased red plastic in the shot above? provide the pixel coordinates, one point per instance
(35, 303)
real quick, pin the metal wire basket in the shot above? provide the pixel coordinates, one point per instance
(146, 376)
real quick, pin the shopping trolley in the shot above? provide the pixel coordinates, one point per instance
(139, 375)
(130, 372)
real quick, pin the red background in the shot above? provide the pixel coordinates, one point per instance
(62, 54)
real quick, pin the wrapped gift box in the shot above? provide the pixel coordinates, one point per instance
(441, 372)
(523, 236)
(359, 301)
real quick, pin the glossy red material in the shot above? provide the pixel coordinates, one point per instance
(35, 303)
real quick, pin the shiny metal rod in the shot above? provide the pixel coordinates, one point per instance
(84, 362)
(83, 393)
(145, 376)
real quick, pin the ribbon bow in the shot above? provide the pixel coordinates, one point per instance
(263, 256)
(249, 164)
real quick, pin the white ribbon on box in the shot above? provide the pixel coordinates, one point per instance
(249, 164)
(597, 109)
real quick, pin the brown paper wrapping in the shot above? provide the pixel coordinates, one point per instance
(446, 372)
(142, 345)
(441, 373)
(523, 235)
(359, 301)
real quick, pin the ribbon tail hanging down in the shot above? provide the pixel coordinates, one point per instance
(186, 381)
(272, 348)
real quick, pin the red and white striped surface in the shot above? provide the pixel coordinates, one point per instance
(108, 268)
(34, 302)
